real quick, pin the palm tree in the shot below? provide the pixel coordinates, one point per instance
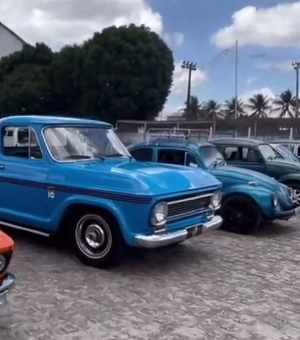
(285, 104)
(260, 105)
(230, 107)
(212, 109)
(195, 109)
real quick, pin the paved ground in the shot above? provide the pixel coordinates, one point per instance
(221, 286)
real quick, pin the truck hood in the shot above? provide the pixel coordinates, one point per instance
(236, 174)
(141, 178)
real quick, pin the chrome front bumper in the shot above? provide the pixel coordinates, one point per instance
(165, 239)
(5, 287)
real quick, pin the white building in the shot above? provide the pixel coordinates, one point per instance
(10, 42)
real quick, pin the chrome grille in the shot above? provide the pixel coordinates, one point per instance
(188, 206)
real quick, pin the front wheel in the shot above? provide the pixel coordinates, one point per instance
(97, 240)
(296, 192)
(241, 214)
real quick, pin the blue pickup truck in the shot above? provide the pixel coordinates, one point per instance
(248, 198)
(72, 176)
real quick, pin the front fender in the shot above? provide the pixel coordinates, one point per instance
(289, 178)
(109, 205)
(261, 196)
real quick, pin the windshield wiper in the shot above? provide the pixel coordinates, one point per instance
(77, 157)
(119, 155)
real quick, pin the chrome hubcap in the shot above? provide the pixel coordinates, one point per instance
(93, 236)
(296, 196)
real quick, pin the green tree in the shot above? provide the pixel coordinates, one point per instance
(284, 104)
(65, 79)
(213, 109)
(230, 108)
(195, 109)
(126, 74)
(259, 105)
(24, 86)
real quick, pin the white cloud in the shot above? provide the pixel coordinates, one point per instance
(180, 79)
(276, 26)
(282, 66)
(178, 94)
(266, 91)
(250, 80)
(178, 38)
(174, 40)
(58, 22)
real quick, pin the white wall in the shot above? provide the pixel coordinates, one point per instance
(8, 42)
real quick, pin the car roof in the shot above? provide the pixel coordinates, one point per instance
(171, 143)
(237, 141)
(50, 120)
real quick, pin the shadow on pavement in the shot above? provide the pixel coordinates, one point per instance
(276, 229)
(56, 250)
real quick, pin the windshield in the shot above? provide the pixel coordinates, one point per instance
(268, 152)
(286, 153)
(211, 156)
(77, 143)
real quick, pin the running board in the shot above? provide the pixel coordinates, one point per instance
(14, 226)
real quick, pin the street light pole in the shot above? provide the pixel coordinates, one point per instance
(296, 66)
(190, 66)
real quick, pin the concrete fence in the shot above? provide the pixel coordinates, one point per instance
(266, 129)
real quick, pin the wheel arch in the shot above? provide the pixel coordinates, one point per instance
(76, 209)
(232, 225)
(246, 195)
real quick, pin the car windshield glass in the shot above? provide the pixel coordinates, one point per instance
(211, 156)
(77, 143)
(268, 152)
(286, 153)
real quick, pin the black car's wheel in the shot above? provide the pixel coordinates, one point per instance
(296, 188)
(241, 214)
(97, 239)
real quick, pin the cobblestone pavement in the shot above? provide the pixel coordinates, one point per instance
(220, 286)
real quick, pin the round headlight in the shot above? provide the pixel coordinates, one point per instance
(216, 199)
(2, 263)
(160, 213)
(275, 200)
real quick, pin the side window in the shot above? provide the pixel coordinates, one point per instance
(142, 154)
(253, 156)
(20, 142)
(191, 160)
(231, 153)
(171, 156)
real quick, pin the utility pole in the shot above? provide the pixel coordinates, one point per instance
(236, 80)
(190, 66)
(296, 66)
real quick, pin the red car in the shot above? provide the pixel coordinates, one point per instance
(7, 280)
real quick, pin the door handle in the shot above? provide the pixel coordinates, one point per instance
(2, 166)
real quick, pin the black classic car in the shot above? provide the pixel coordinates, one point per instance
(260, 156)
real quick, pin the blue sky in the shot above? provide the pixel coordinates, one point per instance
(202, 31)
(264, 63)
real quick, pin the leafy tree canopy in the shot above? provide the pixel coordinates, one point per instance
(120, 73)
(24, 86)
